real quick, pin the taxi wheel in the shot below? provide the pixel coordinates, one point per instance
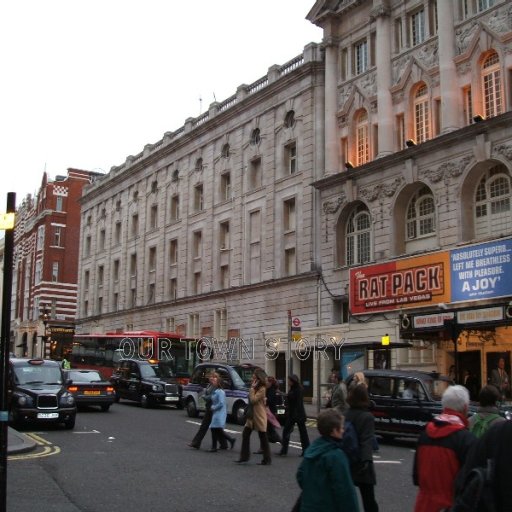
(239, 413)
(192, 409)
(69, 424)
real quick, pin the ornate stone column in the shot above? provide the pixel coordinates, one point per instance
(451, 101)
(331, 107)
(381, 13)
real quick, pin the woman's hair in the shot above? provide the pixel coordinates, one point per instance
(261, 376)
(359, 377)
(219, 379)
(294, 380)
(328, 421)
(358, 397)
(488, 396)
(456, 398)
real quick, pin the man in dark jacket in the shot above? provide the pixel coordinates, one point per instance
(494, 446)
(441, 452)
(296, 415)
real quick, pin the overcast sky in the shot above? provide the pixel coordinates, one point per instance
(85, 84)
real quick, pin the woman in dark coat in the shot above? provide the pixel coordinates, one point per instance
(296, 414)
(363, 472)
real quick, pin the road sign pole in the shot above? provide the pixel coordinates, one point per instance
(4, 349)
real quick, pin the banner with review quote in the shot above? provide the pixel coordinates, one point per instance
(482, 271)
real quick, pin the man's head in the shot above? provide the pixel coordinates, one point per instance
(501, 363)
(488, 396)
(456, 398)
(330, 423)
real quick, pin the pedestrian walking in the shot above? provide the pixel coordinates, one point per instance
(256, 419)
(441, 452)
(363, 472)
(272, 422)
(207, 419)
(296, 415)
(219, 414)
(487, 413)
(324, 474)
(339, 396)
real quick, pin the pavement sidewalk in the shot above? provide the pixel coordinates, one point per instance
(17, 442)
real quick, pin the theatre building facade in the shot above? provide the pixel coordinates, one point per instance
(416, 202)
(360, 191)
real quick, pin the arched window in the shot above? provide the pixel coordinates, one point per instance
(421, 115)
(255, 137)
(289, 120)
(362, 140)
(358, 236)
(421, 215)
(491, 86)
(225, 151)
(493, 214)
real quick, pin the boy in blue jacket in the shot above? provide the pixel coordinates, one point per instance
(324, 474)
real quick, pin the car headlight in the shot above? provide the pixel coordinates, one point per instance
(24, 400)
(67, 399)
(156, 387)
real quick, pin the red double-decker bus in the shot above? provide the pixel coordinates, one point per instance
(176, 356)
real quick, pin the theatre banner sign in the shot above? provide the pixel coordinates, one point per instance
(475, 272)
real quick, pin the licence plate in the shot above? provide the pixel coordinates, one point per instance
(92, 392)
(47, 415)
(280, 411)
(172, 398)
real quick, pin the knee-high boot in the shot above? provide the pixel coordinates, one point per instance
(267, 458)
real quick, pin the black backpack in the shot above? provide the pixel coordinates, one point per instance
(350, 443)
(477, 494)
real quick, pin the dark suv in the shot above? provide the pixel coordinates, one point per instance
(36, 393)
(403, 401)
(137, 380)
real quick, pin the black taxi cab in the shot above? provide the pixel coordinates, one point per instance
(403, 401)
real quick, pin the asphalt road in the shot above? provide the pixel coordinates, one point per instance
(132, 459)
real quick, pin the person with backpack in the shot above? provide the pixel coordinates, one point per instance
(324, 473)
(484, 482)
(442, 451)
(363, 472)
(487, 413)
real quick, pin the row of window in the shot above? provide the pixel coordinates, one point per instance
(411, 29)
(491, 104)
(289, 224)
(492, 212)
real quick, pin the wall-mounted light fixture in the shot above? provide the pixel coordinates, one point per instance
(349, 165)
(410, 143)
(478, 118)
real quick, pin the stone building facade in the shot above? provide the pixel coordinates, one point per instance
(387, 142)
(418, 180)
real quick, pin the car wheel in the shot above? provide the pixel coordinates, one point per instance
(238, 414)
(69, 424)
(144, 401)
(192, 409)
(105, 407)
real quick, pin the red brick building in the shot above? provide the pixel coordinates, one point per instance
(46, 245)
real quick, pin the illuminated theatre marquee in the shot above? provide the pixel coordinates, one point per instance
(471, 273)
